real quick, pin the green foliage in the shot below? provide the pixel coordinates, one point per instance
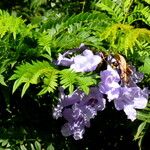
(143, 128)
(112, 9)
(2, 80)
(45, 41)
(147, 1)
(37, 3)
(122, 34)
(140, 133)
(69, 79)
(146, 67)
(144, 114)
(21, 145)
(125, 11)
(50, 147)
(31, 74)
(140, 12)
(9, 24)
(74, 30)
(124, 37)
(14, 37)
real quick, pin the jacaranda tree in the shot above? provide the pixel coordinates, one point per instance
(74, 75)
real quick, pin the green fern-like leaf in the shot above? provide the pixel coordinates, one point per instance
(115, 35)
(112, 31)
(125, 37)
(32, 73)
(140, 12)
(140, 133)
(50, 82)
(133, 35)
(9, 24)
(75, 30)
(2, 80)
(37, 3)
(112, 8)
(70, 79)
(144, 114)
(85, 82)
(146, 67)
(45, 41)
(147, 1)
(85, 18)
(140, 130)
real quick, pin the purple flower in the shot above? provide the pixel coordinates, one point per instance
(94, 99)
(75, 128)
(77, 109)
(64, 61)
(57, 112)
(109, 84)
(127, 98)
(73, 98)
(76, 122)
(135, 77)
(131, 99)
(86, 62)
(66, 100)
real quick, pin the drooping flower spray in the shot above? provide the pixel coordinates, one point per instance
(118, 83)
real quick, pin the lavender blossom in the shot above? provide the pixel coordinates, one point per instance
(94, 99)
(131, 99)
(57, 112)
(66, 100)
(78, 109)
(75, 128)
(86, 62)
(110, 83)
(135, 77)
(64, 60)
(127, 98)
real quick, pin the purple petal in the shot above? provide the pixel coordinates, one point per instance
(109, 75)
(63, 61)
(113, 94)
(140, 98)
(75, 97)
(67, 114)
(78, 134)
(130, 112)
(95, 99)
(66, 130)
(86, 62)
(130, 99)
(57, 112)
(125, 98)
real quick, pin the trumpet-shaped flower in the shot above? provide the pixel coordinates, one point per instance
(86, 62)
(78, 109)
(110, 83)
(131, 99)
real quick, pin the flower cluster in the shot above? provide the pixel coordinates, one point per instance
(127, 97)
(118, 83)
(78, 108)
